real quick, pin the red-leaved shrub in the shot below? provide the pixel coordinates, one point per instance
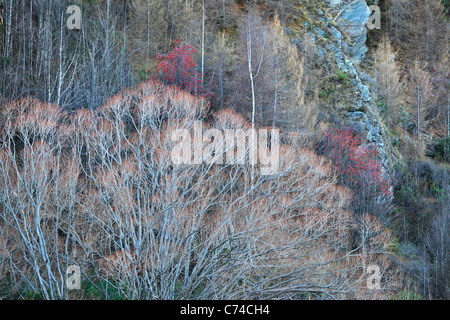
(358, 165)
(179, 68)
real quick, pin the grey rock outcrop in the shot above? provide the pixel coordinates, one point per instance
(347, 26)
(352, 21)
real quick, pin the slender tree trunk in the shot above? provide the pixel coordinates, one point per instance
(388, 85)
(203, 39)
(275, 100)
(418, 109)
(60, 73)
(148, 29)
(249, 59)
(221, 81)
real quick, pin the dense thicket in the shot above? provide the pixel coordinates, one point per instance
(412, 74)
(98, 189)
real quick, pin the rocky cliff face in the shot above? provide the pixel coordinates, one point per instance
(351, 18)
(348, 26)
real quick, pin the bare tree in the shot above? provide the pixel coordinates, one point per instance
(272, 84)
(98, 189)
(421, 94)
(389, 86)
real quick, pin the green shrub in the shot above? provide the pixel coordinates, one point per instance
(91, 292)
(341, 76)
(395, 142)
(402, 117)
(443, 149)
(407, 295)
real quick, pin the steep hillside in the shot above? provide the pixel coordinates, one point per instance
(90, 117)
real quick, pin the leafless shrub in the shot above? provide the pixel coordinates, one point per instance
(98, 189)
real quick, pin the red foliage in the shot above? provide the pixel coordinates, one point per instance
(357, 164)
(179, 68)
